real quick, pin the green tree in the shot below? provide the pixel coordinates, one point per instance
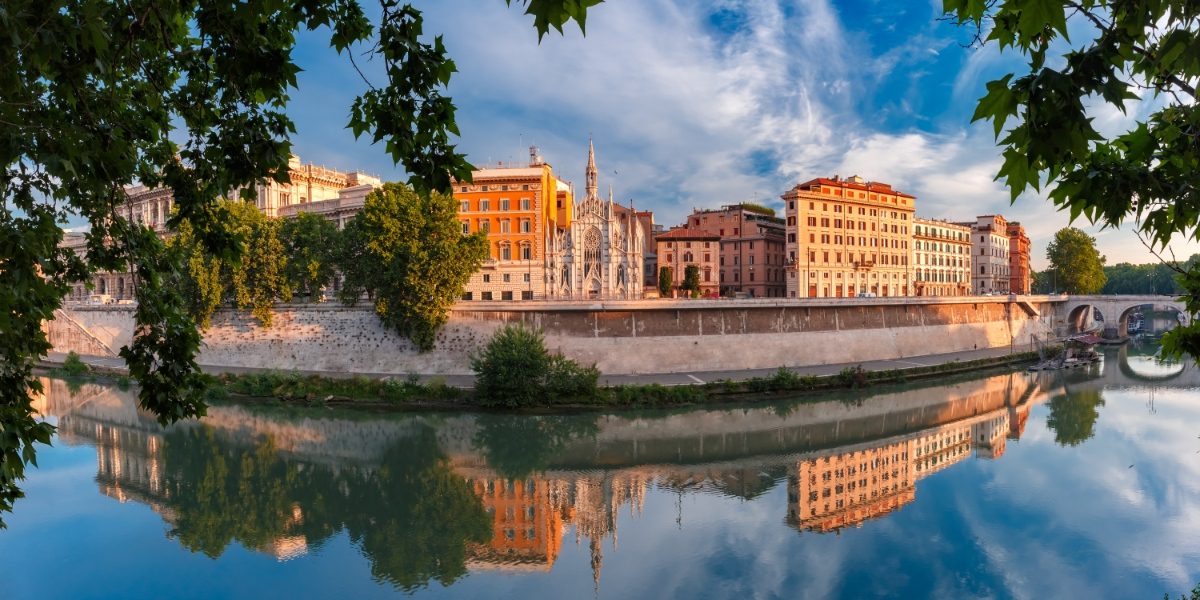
(258, 278)
(1075, 264)
(186, 95)
(309, 242)
(1117, 51)
(350, 258)
(1073, 416)
(664, 281)
(419, 258)
(200, 281)
(691, 280)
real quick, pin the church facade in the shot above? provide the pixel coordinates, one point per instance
(599, 255)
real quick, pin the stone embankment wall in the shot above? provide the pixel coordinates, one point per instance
(618, 337)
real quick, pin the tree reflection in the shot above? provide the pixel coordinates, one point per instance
(519, 445)
(412, 517)
(1073, 416)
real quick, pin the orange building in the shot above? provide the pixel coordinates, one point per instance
(848, 237)
(519, 207)
(1019, 278)
(527, 528)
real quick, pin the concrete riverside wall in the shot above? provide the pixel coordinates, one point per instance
(656, 336)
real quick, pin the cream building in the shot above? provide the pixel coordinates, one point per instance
(334, 195)
(941, 258)
(847, 237)
(989, 249)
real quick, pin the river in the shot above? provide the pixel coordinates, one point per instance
(1081, 484)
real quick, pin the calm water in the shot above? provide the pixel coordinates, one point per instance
(1069, 485)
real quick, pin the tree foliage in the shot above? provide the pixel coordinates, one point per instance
(309, 242)
(1119, 52)
(418, 257)
(691, 280)
(192, 96)
(1149, 278)
(1075, 264)
(664, 282)
(258, 277)
(1073, 416)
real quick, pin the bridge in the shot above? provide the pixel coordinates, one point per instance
(1115, 310)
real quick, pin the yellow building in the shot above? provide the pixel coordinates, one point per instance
(520, 207)
(848, 237)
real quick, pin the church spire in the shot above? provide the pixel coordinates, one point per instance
(592, 183)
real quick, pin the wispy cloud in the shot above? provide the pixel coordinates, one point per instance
(702, 103)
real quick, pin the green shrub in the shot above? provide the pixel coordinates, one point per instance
(73, 366)
(853, 377)
(515, 369)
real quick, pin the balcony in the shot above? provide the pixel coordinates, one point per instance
(863, 265)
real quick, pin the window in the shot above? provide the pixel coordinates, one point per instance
(464, 206)
(507, 278)
(526, 295)
(506, 254)
(526, 226)
(504, 188)
(505, 226)
(487, 278)
(467, 296)
(466, 227)
(525, 187)
(526, 276)
(504, 202)
(506, 295)
(484, 188)
(463, 189)
(525, 203)
(485, 205)
(485, 296)
(485, 225)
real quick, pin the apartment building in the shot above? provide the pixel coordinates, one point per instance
(989, 249)
(941, 258)
(752, 261)
(847, 237)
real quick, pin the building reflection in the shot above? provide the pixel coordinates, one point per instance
(422, 503)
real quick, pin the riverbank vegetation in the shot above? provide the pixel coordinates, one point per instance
(412, 393)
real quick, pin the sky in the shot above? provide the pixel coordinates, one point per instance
(701, 103)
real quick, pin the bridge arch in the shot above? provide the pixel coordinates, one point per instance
(1116, 310)
(1123, 327)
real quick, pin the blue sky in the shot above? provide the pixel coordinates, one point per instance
(699, 103)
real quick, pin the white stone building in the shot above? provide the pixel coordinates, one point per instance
(600, 254)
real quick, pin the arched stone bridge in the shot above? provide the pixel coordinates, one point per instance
(1115, 310)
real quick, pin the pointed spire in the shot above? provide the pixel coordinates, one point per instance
(592, 174)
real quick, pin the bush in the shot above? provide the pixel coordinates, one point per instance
(73, 366)
(515, 369)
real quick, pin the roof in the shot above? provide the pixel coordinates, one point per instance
(873, 186)
(687, 233)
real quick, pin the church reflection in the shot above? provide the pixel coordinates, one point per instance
(429, 498)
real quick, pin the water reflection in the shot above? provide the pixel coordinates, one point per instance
(431, 498)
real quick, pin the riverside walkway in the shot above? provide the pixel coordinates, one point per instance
(117, 366)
